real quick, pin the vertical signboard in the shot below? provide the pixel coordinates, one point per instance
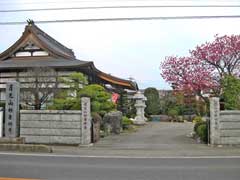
(12, 110)
(214, 120)
(86, 121)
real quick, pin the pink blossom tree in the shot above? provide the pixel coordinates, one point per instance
(206, 66)
(223, 54)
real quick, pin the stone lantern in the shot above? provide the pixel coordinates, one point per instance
(140, 106)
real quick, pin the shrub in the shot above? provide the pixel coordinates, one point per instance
(197, 119)
(173, 112)
(197, 125)
(202, 132)
(126, 122)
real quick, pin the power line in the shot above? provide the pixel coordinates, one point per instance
(83, 1)
(123, 19)
(119, 7)
(43, 2)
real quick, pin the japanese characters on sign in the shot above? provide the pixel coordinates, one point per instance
(86, 121)
(85, 115)
(216, 111)
(12, 110)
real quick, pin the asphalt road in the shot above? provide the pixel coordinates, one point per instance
(116, 168)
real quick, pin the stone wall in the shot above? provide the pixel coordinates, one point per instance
(224, 125)
(229, 126)
(51, 126)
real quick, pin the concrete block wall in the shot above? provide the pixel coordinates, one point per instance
(224, 125)
(229, 127)
(51, 126)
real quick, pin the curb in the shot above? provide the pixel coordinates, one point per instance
(25, 148)
(18, 140)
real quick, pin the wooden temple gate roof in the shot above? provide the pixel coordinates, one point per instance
(35, 48)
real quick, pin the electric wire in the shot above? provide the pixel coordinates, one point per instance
(122, 19)
(118, 7)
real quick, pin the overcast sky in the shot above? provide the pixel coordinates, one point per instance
(123, 48)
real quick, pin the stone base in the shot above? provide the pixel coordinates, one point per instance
(137, 122)
(18, 140)
(26, 148)
(85, 145)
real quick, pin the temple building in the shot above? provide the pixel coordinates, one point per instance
(36, 49)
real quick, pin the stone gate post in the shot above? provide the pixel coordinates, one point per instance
(12, 110)
(86, 121)
(214, 120)
(1, 122)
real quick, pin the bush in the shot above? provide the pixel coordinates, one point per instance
(197, 125)
(126, 122)
(202, 132)
(173, 112)
(197, 119)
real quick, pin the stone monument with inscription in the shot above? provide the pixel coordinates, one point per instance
(12, 110)
(86, 121)
(140, 106)
(214, 120)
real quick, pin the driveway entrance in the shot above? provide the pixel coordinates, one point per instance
(156, 139)
(154, 135)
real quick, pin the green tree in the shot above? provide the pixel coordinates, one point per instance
(126, 105)
(123, 103)
(75, 82)
(100, 98)
(70, 98)
(231, 92)
(167, 101)
(153, 101)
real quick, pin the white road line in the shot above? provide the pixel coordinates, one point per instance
(121, 157)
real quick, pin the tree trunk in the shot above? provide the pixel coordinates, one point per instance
(37, 104)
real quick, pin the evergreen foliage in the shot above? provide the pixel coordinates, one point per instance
(153, 101)
(173, 112)
(70, 98)
(123, 103)
(231, 92)
(100, 99)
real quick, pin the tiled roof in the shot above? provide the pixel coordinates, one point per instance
(40, 62)
(46, 42)
(52, 43)
(59, 56)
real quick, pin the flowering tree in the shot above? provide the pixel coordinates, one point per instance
(206, 66)
(223, 54)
